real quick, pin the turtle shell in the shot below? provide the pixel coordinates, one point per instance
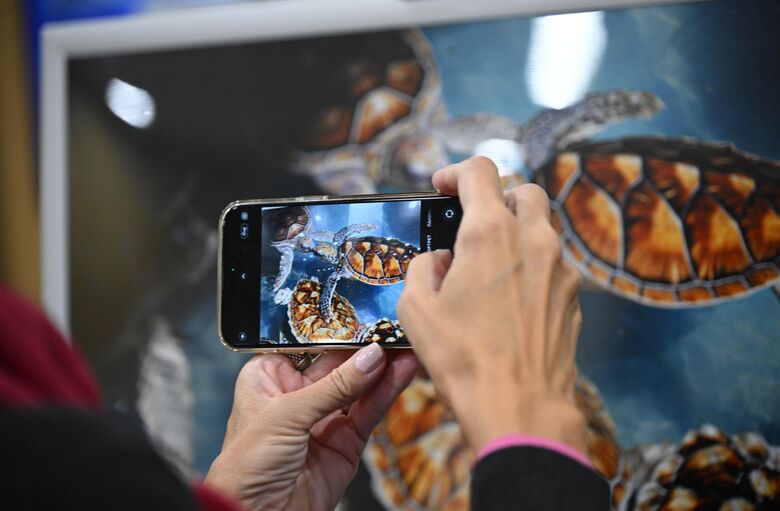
(375, 260)
(418, 457)
(708, 470)
(289, 223)
(306, 324)
(668, 221)
(374, 90)
(385, 331)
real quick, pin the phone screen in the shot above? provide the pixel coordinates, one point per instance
(325, 272)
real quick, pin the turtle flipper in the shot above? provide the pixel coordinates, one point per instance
(326, 298)
(462, 134)
(282, 296)
(285, 265)
(351, 230)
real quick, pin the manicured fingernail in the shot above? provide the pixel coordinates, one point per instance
(369, 358)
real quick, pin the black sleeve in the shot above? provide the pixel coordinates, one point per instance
(520, 478)
(64, 458)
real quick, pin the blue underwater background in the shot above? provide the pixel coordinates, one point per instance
(661, 372)
(399, 220)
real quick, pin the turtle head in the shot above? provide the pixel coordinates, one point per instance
(553, 130)
(414, 159)
(304, 244)
(323, 249)
(622, 104)
(327, 251)
(645, 104)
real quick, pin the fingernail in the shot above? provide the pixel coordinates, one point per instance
(369, 358)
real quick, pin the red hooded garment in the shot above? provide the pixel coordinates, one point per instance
(58, 446)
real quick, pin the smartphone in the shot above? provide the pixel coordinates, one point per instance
(322, 273)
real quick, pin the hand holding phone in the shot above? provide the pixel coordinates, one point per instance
(496, 326)
(294, 438)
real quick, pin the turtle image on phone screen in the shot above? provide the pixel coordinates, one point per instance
(334, 272)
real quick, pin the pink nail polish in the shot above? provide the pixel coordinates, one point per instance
(369, 358)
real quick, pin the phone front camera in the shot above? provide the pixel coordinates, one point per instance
(244, 216)
(242, 336)
(449, 213)
(244, 231)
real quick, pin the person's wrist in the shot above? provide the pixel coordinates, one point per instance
(215, 477)
(223, 477)
(542, 415)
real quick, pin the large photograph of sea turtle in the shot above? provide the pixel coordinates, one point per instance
(653, 131)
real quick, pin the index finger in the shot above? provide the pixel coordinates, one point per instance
(474, 180)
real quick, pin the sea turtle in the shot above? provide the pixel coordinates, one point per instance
(664, 221)
(291, 232)
(374, 127)
(308, 326)
(668, 221)
(708, 470)
(418, 458)
(373, 260)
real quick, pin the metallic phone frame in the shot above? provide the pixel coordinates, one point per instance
(312, 348)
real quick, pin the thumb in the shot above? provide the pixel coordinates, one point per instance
(341, 387)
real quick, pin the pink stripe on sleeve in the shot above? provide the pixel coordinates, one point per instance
(516, 440)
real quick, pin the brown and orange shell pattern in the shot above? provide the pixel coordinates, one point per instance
(292, 222)
(668, 221)
(384, 331)
(419, 460)
(375, 260)
(307, 325)
(708, 470)
(379, 92)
